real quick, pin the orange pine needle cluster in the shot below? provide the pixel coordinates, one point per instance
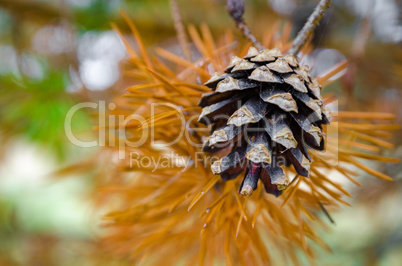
(171, 215)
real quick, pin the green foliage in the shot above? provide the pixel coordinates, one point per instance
(36, 109)
(95, 17)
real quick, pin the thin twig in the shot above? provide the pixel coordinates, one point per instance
(181, 33)
(247, 33)
(308, 28)
(236, 11)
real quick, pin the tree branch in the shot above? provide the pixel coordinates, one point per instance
(236, 11)
(308, 28)
(180, 31)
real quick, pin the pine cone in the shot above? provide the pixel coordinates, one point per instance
(265, 112)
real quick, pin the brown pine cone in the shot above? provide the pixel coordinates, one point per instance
(267, 112)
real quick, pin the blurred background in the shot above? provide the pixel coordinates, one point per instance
(57, 53)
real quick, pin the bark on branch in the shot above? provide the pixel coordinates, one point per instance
(309, 27)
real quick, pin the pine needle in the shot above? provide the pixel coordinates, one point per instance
(204, 191)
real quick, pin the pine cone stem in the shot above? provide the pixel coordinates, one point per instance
(236, 11)
(308, 28)
(249, 35)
